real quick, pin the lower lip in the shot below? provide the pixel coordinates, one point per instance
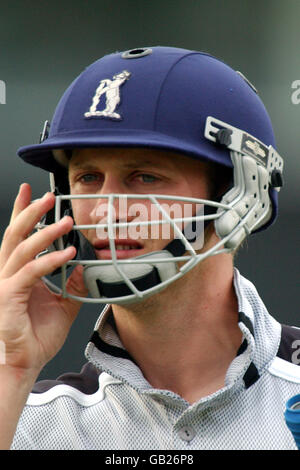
(120, 254)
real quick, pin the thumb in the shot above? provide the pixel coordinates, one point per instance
(75, 286)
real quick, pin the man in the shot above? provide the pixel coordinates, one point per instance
(185, 355)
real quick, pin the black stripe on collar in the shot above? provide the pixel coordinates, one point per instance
(247, 322)
(242, 347)
(109, 349)
(251, 375)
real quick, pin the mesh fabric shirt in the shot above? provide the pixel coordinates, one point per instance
(110, 405)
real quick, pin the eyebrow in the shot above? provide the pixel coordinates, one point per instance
(139, 163)
(129, 165)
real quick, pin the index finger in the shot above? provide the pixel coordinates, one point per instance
(23, 222)
(22, 201)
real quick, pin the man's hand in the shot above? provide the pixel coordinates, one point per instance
(34, 322)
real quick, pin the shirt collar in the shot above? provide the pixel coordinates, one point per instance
(106, 351)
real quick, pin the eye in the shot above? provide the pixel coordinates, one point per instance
(88, 178)
(146, 178)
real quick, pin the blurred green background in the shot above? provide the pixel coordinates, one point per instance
(45, 45)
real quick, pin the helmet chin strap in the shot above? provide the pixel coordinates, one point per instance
(111, 281)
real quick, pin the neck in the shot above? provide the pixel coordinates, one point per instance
(185, 337)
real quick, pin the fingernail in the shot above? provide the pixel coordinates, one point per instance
(20, 188)
(64, 218)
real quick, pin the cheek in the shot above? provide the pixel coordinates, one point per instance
(82, 211)
(198, 188)
(194, 181)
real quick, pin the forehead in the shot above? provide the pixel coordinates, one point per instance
(132, 157)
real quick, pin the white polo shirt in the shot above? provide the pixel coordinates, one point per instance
(110, 405)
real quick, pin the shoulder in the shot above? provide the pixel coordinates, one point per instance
(86, 381)
(286, 364)
(85, 388)
(58, 412)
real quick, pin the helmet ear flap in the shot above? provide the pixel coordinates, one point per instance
(249, 200)
(61, 181)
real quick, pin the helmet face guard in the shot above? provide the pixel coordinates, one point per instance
(243, 209)
(175, 100)
(129, 280)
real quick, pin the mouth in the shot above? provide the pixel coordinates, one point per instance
(124, 249)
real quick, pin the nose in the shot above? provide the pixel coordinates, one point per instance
(116, 208)
(112, 185)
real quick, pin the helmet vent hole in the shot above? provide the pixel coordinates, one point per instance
(136, 53)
